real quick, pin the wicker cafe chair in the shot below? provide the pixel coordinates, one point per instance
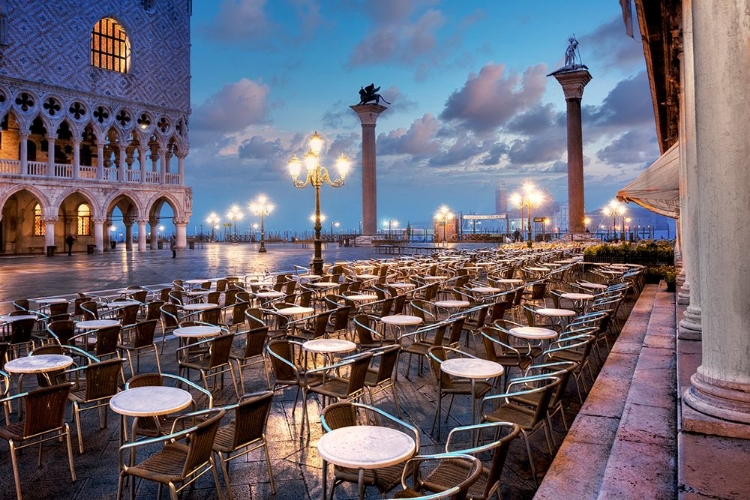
(450, 472)
(216, 362)
(253, 352)
(245, 433)
(142, 340)
(178, 461)
(100, 384)
(45, 421)
(383, 376)
(471, 466)
(345, 414)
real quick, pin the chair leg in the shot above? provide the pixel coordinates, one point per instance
(234, 380)
(531, 460)
(268, 466)
(14, 461)
(156, 356)
(120, 485)
(70, 452)
(215, 473)
(76, 412)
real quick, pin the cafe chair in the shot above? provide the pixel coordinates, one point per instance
(420, 341)
(560, 369)
(185, 456)
(44, 421)
(284, 355)
(169, 319)
(348, 414)
(252, 352)
(245, 433)
(471, 472)
(142, 340)
(158, 426)
(381, 374)
(509, 407)
(100, 383)
(4, 391)
(450, 471)
(21, 340)
(215, 362)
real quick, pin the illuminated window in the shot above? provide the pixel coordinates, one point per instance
(39, 228)
(110, 47)
(84, 220)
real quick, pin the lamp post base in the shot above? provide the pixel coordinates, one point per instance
(262, 248)
(316, 266)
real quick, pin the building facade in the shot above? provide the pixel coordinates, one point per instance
(94, 107)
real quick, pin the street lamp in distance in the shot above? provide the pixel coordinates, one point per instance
(234, 214)
(213, 221)
(262, 207)
(442, 216)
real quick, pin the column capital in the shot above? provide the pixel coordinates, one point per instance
(51, 137)
(141, 221)
(99, 220)
(368, 113)
(180, 222)
(49, 219)
(24, 133)
(573, 82)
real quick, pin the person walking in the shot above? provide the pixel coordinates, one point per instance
(69, 241)
(173, 246)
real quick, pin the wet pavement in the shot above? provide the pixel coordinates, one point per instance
(295, 461)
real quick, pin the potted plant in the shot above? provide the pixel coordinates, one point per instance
(670, 277)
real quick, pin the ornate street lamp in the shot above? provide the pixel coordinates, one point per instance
(615, 209)
(529, 198)
(234, 215)
(261, 207)
(317, 176)
(442, 216)
(213, 221)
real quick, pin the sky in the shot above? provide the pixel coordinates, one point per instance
(471, 105)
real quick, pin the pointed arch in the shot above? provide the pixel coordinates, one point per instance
(159, 199)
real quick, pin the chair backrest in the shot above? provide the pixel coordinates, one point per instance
(254, 318)
(164, 294)
(175, 297)
(63, 330)
(399, 302)
(238, 312)
(213, 297)
(457, 326)
(45, 409)
(22, 304)
(221, 285)
(284, 369)
(77, 311)
(546, 387)
(201, 442)
(107, 340)
(153, 309)
(255, 341)
(358, 372)
(145, 380)
(144, 333)
(388, 361)
(61, 308)
(471, 466)
(230, 297)
(363, 329)
(128, 315)
(211, 316)
(21, 330)
(304, 298)
(321, 324)
(220, 347)
(89, 310)
(102, 379)
(250, 418)
(169, 318)
(338, 415)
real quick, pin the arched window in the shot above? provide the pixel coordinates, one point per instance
(84, 220)
(39, 227)
(110, 47)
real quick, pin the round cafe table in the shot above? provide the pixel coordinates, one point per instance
(364, 447)
(561, 314)
(579, 299)
(533, 333)
(196, 332)
(5, 318)
(39, 363)
(400, 321)
(199, 306)
(592, 286)
(485, 289)
(97, 324)
(452, 304)
(50, 300)
(149, 401)
(473, 369)
(295, 311)
(329, 346)
(361, 297)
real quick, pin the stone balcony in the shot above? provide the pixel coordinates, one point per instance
(38, 169)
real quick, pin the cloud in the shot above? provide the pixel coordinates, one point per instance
(257, 148)
(462, 150)
(240, 21)
(536, 120)
(340, 116)
(234, 107)
(418, 141)
(491, 98)
(611, 48)
(637, 146)
(626, 105)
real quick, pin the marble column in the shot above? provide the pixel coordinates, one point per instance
(49, 230)
(690, 326)
(99, 233)
(128, 234)
(121, 165)
(24, 154)
(181, 167)
(142, 163)
(721, 385)
(368, 115)
(99, 159)
(76, 158)
(163, 166)
(51, 155)
(181, 234)
(154, 232)
(142, 234)
(573, 83)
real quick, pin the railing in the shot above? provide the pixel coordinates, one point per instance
(62, 171)
(37, 168)
(10, 167)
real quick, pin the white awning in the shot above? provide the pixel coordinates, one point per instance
(658, 187)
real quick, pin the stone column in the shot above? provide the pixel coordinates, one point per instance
(49, 230)
(142, 234)
(573, 82)
(154, 232)
(368, 115)
(142, 163)
(76, 158)
(99, 233)
(24, 156)
(691, 324)
(721, 385)
(181, 167)
(99, 159)
(128, 233)
(162, 166)
(121, 165)
(51, 155)
(181, 234)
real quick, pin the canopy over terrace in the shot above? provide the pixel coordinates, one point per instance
(657, 188)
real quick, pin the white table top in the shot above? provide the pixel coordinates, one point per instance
(401, 320)
(366, 446)
(471, 368)
(200, 306)
(296, 311)
(611, 271)
(50, 300)
(453, 304)
(361, 297)
(592, 286)
(402, 285)
(272, 294)
(546, 311)
(196, 331)
(435, 278)
(329, 346)
(324, 284)
(124, 303)
(150, 401)
(261, 283)
(510, 281)
(365, 276)
(533, 333)
(538, 269)
(196, 293)
(577, 296)
(96, 324)
(485, 289)
(39, 363)
(196, 281)
(10, 319)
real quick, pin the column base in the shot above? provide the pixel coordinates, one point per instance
(718, 398)
(691, 325)
(683, 296)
